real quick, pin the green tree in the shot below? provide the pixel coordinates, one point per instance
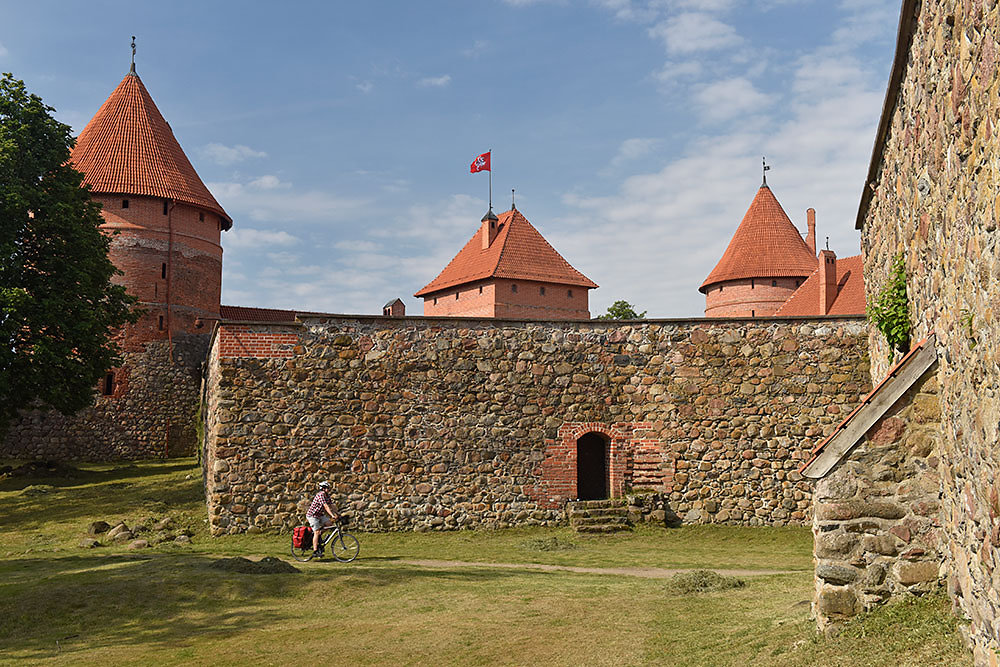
(58, 308)
(622, 310)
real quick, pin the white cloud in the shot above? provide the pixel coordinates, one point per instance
(435, 81)
(674, 71)
(707, 5)
(728, 98)
(245, 237)
(365, 86)
(268, 200)
(477, 49)
(267, 182)
(228, 155)
(694, 31)
(632, 149)
(627, 10)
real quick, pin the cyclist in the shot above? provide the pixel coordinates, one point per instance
(321, 514)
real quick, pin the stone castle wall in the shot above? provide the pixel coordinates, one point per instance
(151, 412)
(425, 423)
(875, 522)
(936, 200)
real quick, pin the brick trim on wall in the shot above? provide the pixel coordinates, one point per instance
(635, 459)
(238, 340)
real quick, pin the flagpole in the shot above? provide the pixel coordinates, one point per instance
(490, 152)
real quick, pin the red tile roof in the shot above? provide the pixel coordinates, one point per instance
(850, 292)
(244, 314)
(518, 252)
(128, 148)
(765, 245)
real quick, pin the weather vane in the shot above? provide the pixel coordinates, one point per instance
(512, 207)
(763, 161)
(133, 54)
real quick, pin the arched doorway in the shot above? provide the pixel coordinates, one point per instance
(592, 467)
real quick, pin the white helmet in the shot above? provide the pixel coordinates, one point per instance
(324, 484)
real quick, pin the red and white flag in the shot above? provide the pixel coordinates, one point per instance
(481, 163)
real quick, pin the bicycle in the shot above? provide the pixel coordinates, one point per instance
(345, 547)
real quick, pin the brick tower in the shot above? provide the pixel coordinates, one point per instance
(166, 227)
(766, 262)
(168, 224)
(508, 270)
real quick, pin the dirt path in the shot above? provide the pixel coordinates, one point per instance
(648, 572)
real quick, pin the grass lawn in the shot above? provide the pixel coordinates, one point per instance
(60, 603)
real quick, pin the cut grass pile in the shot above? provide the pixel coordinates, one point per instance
(169, 604)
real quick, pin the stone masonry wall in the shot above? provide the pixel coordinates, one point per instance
(936, 200)
(875, 524)
(150, 414)
(426, 423)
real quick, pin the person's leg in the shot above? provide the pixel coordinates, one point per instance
(317, 527)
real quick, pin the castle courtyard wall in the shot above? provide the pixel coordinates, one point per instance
(151, 411)
(936, 200)
(431, 423)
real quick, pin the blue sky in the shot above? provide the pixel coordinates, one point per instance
(338, 135)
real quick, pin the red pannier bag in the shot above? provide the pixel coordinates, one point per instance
(302, 537)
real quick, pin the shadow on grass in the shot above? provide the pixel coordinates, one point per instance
(100, 494)
(167, 601)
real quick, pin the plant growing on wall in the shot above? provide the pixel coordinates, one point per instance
(890, 312)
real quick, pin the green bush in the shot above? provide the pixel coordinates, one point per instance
(890, 312)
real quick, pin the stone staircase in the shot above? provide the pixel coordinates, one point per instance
(598, 516)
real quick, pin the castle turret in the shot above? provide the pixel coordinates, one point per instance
(765, 263)
(168, 224)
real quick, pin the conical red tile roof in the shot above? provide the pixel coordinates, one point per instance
(128, 148)
(518, 252)
(765, 245)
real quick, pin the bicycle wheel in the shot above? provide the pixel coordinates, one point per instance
(302, 554)
(345, 547)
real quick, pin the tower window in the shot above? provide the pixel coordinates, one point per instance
(513, 288)
(161, 322)
(201, 216)
(435, 301)
(108, 387)
(124, 203)
(774, 283)
(166, 206)
(480, 289)
(541, 291)
(163, 271)
(751, 283)
(456, 296)
(797, 282)
(569, 293)
(752, 314)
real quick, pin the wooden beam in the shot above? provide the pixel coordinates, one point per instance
(878, 403)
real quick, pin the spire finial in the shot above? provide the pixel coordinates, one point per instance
(132, 71)
(512, 207)
(763, 161)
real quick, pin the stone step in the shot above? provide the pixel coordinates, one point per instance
(593, 504)
(601, 511)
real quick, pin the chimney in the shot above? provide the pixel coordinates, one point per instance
(489, 230)
(827, 280)
(811, 236)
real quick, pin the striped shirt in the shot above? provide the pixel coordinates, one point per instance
(316, 506)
